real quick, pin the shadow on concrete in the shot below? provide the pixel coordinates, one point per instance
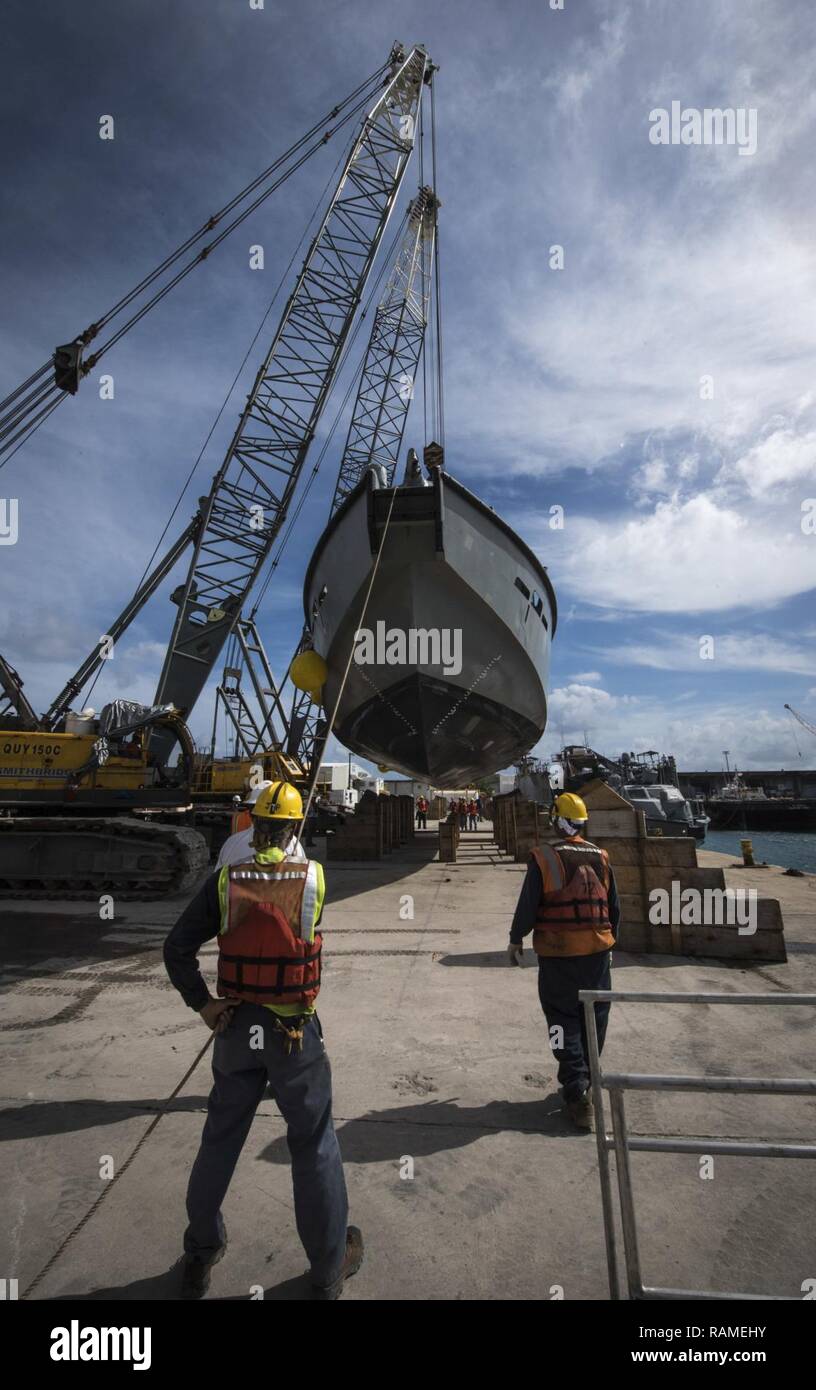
(434, 1126)
(484, 959)
(344, 879)
(64, 1117)
(165, 1287)
(154, 1288)
(31, 940)
(623, 960)
(298, 1289)
(378, 1135)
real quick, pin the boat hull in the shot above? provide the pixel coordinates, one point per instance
(440, 669)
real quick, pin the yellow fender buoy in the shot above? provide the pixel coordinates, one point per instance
(309, 672)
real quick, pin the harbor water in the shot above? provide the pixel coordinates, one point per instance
(791, 850)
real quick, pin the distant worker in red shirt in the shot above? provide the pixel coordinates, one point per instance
(570, 903)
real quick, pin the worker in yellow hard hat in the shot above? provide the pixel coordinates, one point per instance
(569, 901)
(265, 912)
(238, 846)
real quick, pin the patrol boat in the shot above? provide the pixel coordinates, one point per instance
(450, 654)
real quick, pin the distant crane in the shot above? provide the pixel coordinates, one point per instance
(806, 724)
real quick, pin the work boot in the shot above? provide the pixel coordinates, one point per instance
(195, 1279)
(327, 1293)
(581, 1112)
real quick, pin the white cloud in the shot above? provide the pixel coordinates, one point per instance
(679, 262)
(747, 651)
(573, 706)
(782, 458)
(587, 677)
(597, 58)
(684, 556)
(696, 738)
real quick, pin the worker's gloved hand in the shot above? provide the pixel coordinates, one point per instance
(515, 954)
(217, 1014)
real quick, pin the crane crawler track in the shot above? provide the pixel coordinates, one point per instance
(53, 857)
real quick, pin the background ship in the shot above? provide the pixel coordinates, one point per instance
(647, 780)
(448, 565)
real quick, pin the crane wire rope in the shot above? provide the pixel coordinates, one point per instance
(52, 394)
(424, 357)
(385, 265)
(231, 389)
(375, 567)
(48, 395)
(437, 284)
(233, 656)
(120, 1172)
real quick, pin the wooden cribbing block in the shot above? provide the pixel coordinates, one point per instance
(361, 837)
(620, 824)
(447, 842)
(721, 941)
(660, 850)
(628, 877)
(527, 829)
(643, 863)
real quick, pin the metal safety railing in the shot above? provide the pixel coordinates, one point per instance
(623, 1144)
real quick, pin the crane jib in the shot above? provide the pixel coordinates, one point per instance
(250, 495)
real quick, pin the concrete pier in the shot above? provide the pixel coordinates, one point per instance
(465, 1177)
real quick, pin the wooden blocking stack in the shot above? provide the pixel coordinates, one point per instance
(406, 818)
(701, 924)
(528, 829)
(504, 822)
(362, 835)
(448, 839)
(390, 830)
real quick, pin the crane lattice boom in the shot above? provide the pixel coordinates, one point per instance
(251, 492)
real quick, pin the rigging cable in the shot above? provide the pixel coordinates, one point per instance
(225, 402)
(425, 298)
(385, 261)
(17, 424)
(385, 264)
(360, 623)
(437, 281)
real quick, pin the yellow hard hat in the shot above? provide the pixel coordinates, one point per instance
(308, 671)
(279, 801)
(570, 807)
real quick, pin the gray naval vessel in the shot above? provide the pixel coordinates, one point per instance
(450, 654)
(648, 781)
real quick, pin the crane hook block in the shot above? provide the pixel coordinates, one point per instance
(68, 367)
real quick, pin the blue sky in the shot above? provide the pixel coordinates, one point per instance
(577, 387)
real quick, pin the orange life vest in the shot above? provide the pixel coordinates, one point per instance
(263, 957)
(574, 920)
